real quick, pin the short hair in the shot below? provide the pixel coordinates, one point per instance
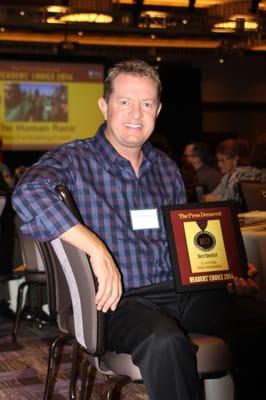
(131, 67)
(231, 148)
(201, 150)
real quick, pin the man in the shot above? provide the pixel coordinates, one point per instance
(196, 154)
(113, 177)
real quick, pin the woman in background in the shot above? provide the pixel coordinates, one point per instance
(6, 174)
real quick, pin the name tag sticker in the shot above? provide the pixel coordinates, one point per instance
(144, 219)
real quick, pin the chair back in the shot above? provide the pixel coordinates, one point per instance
(31, 254)
(41, 263)
(253, 195)
(59, 299)
(89, 323)
(38, 264)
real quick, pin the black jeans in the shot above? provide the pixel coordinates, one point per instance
(151, 324)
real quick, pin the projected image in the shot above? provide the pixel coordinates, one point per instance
(35, 101)
(45, 104)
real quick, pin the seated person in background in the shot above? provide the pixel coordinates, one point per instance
(196, 155)
(10, 255)
(7, 227)
(232, 155)
(111, 176)
(6, 174)
(4, 188)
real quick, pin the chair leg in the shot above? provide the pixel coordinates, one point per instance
(111, 383)
(54, 345)
(83, 376)
(91, 378)
(74, 370)
(39, 286)
(18, 311)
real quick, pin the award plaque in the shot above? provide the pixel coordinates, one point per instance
(206, 246)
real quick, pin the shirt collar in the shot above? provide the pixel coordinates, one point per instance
(112, 157)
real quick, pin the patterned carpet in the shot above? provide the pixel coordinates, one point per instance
(23, 366)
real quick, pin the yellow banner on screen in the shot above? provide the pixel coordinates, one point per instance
(45, 104)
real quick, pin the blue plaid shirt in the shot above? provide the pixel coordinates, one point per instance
(105, 189)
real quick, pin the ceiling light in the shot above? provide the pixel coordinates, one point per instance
(54, 20)
(173, 3)
(82, 17)
(156, 19)
(262, 6)
(231, 26)
(236, 23)
(56, 9)
(82, 11)
(154, 14)
(242, 16)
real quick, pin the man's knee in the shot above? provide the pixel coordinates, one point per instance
(168, 338)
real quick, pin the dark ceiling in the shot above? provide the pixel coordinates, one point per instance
(139, 28)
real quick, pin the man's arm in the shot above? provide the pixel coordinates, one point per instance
(44, 215)
(107, 274)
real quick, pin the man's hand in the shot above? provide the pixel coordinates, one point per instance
(244, 287)
(103, 265)
(108, 277)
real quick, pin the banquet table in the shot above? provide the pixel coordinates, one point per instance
(253, 229)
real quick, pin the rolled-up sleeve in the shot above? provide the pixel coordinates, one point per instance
(37, 202)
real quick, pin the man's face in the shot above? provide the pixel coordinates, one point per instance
(131, 111)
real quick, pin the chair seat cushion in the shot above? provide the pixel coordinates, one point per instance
(213, 356)
(121, 364)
